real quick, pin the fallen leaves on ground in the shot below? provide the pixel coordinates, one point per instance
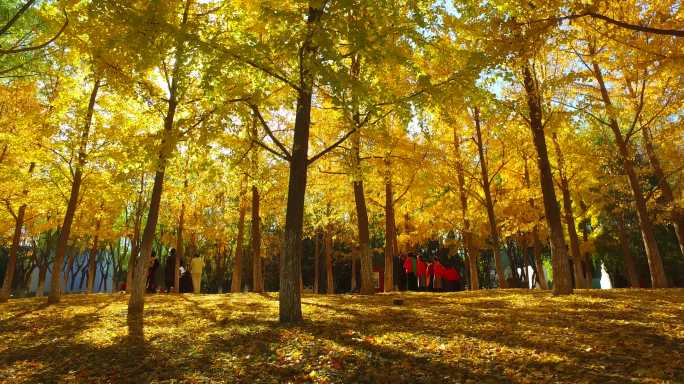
(514, 336)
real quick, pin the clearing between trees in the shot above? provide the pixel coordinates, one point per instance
(492, 336)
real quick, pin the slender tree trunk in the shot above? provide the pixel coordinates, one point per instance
(364, 240)
(510, 252)
(525, 261)
(290, 300)
(486, 188)
(55, 283)
(537, 253)
(655, 262)
(354, 283)
(290, 295)
(135, 240)
(257, 278)
(389, 231)
(471, 253)
(92, 259)
(70, 265)
(586, 259)
(562, 281)
(136, 301)
(16, 239)
(132, 258)
(328, 249)
(12, 262)
(180, 249)
(536, 243)
(628, 256)
(42, 274)
(666, 190)
(575, 253)
(236, 283)
(365, 255)
(473, 269)
(317, 266)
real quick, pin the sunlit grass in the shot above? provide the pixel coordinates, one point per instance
(516, 336)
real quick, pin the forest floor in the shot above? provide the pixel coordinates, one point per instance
(516, 336)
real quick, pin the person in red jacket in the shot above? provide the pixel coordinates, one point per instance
(451, 276)
(439, 275)
(410, 272)
(421, 271)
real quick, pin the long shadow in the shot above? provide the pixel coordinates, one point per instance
(252, 349)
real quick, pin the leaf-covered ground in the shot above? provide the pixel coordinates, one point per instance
(617, 336)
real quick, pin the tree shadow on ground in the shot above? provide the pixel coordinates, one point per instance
(511, 336)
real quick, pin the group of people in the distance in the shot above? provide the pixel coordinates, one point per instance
(431, 275)
(190, 279)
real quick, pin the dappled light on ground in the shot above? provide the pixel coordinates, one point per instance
(513, 336)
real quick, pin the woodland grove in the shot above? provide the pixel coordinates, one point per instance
(538, 142)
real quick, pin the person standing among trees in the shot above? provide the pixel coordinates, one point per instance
(410, 270)
(151, 273)
(402, 272)
(170, 270)
(430, 276)
(421, 271)
(438, 272)
(196, 267)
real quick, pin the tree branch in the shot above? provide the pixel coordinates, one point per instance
(330, 148)
(286, 154)
(16, 16)
(39, 46)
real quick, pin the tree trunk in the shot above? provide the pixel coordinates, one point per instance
(537, 253)
(329, 278)
(136, 301)
(180, 249)
(486, 188)
(92, 259)
(525, 261)
(290, 309)
(655, 262)
(6, 289)
(12, 262)
(132, 258)
(55, 283)
(354, 284)
(236, 283)
(257, 277)
(668, 195)
(389, 232)
(135, 241)
(42, 274)
(562, 281)
(580, 281)
(536, 244)
(628, 257)
(365, 255)
(317, 265)
(70, 266)
(290, 295)
(471, 254)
